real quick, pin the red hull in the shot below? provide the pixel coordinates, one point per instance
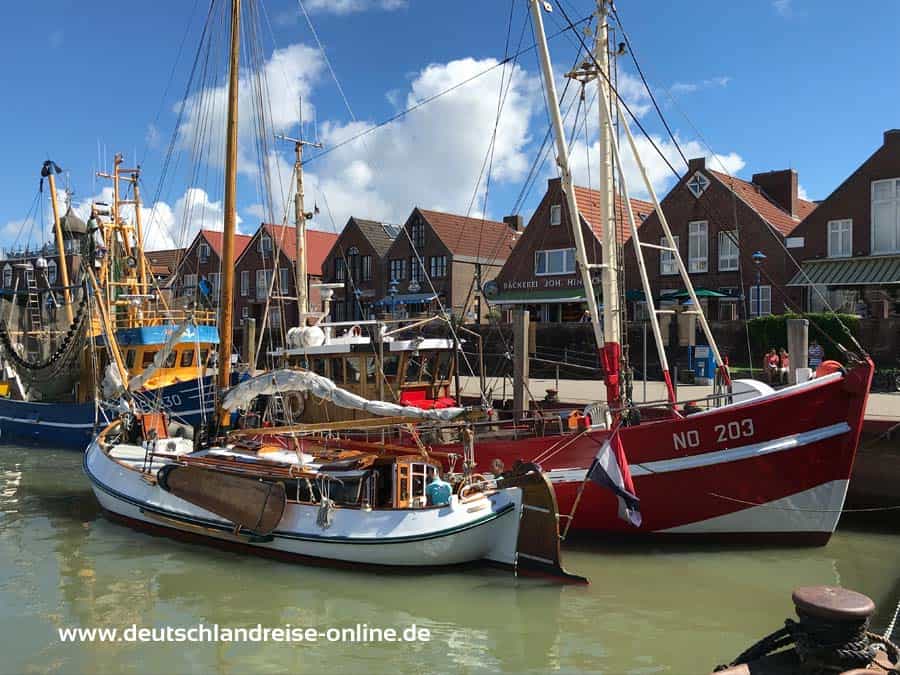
(774, 466)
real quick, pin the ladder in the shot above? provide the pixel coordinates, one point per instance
(34, 300)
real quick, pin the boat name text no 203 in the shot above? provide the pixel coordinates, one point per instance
(732, 431)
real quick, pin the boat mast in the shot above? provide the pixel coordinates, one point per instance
(562, 160)
(50, 168)
(226, 299)
(300, 218)
(611, 352)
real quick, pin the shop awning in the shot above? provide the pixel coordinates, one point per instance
(700, 293)
(537, 297)
(871, 271)
(406, 299)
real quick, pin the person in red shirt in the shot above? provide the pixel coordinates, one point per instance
(771, 364)
(784, 364)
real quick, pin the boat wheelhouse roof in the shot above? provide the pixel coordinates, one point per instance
(158, 335)
(361, 343)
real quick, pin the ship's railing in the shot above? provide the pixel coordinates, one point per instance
(160, 317)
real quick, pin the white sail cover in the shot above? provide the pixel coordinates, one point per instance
(284, 380)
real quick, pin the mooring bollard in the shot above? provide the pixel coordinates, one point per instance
(832, 635)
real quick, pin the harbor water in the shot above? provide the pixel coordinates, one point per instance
(649, 609)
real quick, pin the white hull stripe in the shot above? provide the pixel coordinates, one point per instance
(718, 457)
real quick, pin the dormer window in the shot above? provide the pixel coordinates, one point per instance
(265, 244)
(698, 184)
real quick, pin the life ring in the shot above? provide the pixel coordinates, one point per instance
(356, 331)
(294, 404)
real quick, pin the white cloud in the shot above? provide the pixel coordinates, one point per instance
(660, 175)
(691, 87)
(286, 77)
(802, 193)
(432, 156)
(350, 6)
(152, 137)
(783, 7)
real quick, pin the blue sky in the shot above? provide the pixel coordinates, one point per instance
(809, 84)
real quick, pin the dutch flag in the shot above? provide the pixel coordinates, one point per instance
(610, 470)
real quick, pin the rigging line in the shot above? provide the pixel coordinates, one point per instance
(428, 99)
(646, 85)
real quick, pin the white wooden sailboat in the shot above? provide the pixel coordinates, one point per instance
(311, 496)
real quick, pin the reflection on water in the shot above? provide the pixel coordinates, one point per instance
(649, 609)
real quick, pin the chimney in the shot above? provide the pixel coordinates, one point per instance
(780, 187)
(891, 137)
(514, 222)
(696, 164)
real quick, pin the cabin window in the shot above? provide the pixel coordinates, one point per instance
(337, 370)
(403, 487)
(147, 358)
(391, 362)
(187, 358)
(442, 365)
(353, 373)
(419, 476)
(204, 356)
(171, 359)
(371, 369)
(420, 368)
(317, 365)
(129, 358)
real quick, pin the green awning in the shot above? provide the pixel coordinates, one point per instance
(874, 270)
(555, 295)
(700, 292)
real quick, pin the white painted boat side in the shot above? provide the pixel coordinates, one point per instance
(484, 529)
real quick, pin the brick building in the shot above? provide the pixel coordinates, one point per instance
(718, 222)
(202, 260)
(273, 247)
(540, 274)
(850, 245)
(438, 259)
(358, 260)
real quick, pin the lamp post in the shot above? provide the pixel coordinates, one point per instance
(357, 306)
(758, 258)
(392, 291)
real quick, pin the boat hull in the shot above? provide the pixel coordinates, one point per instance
(485, 529)
(72, 426)
(771, 468)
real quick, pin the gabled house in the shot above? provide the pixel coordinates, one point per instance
(202, 260)
(850, 245)
(358, 261)
(271, 248)
(441, 260)
(540, 274)
(719, 222)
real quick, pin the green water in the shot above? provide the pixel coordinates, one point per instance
(648, 610)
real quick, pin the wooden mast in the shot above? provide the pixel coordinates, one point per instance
(226, 300)
(60, 245)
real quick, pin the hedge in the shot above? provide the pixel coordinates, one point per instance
(771, 331)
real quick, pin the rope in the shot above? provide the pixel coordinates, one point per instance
(822, 645)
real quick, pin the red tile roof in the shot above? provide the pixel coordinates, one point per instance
(164, 262)
(473, 237)
(757, 200)
(318, 244)
(214, 238)
(589, 206)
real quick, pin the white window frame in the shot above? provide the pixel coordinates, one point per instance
(365, 268)
(190, 284)
(401, 263)
(728, 241)
(264, 245)
(840, 238)
(52, 272)
(416, 273)
(437, 266)
(893, 204)
(7, 276)
(274, 317)
(699, 263)
(555, 215)
(203, 252)
(568, 262)
(245, 283)
(765, 306)
(263, 277)
(340, 269)
(284, 279)
(245, 312)
(668, 266)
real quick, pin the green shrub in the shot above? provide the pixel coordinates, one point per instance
(767, 332)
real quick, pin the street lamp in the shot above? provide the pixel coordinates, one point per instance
(392, 291)
(758, 258)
